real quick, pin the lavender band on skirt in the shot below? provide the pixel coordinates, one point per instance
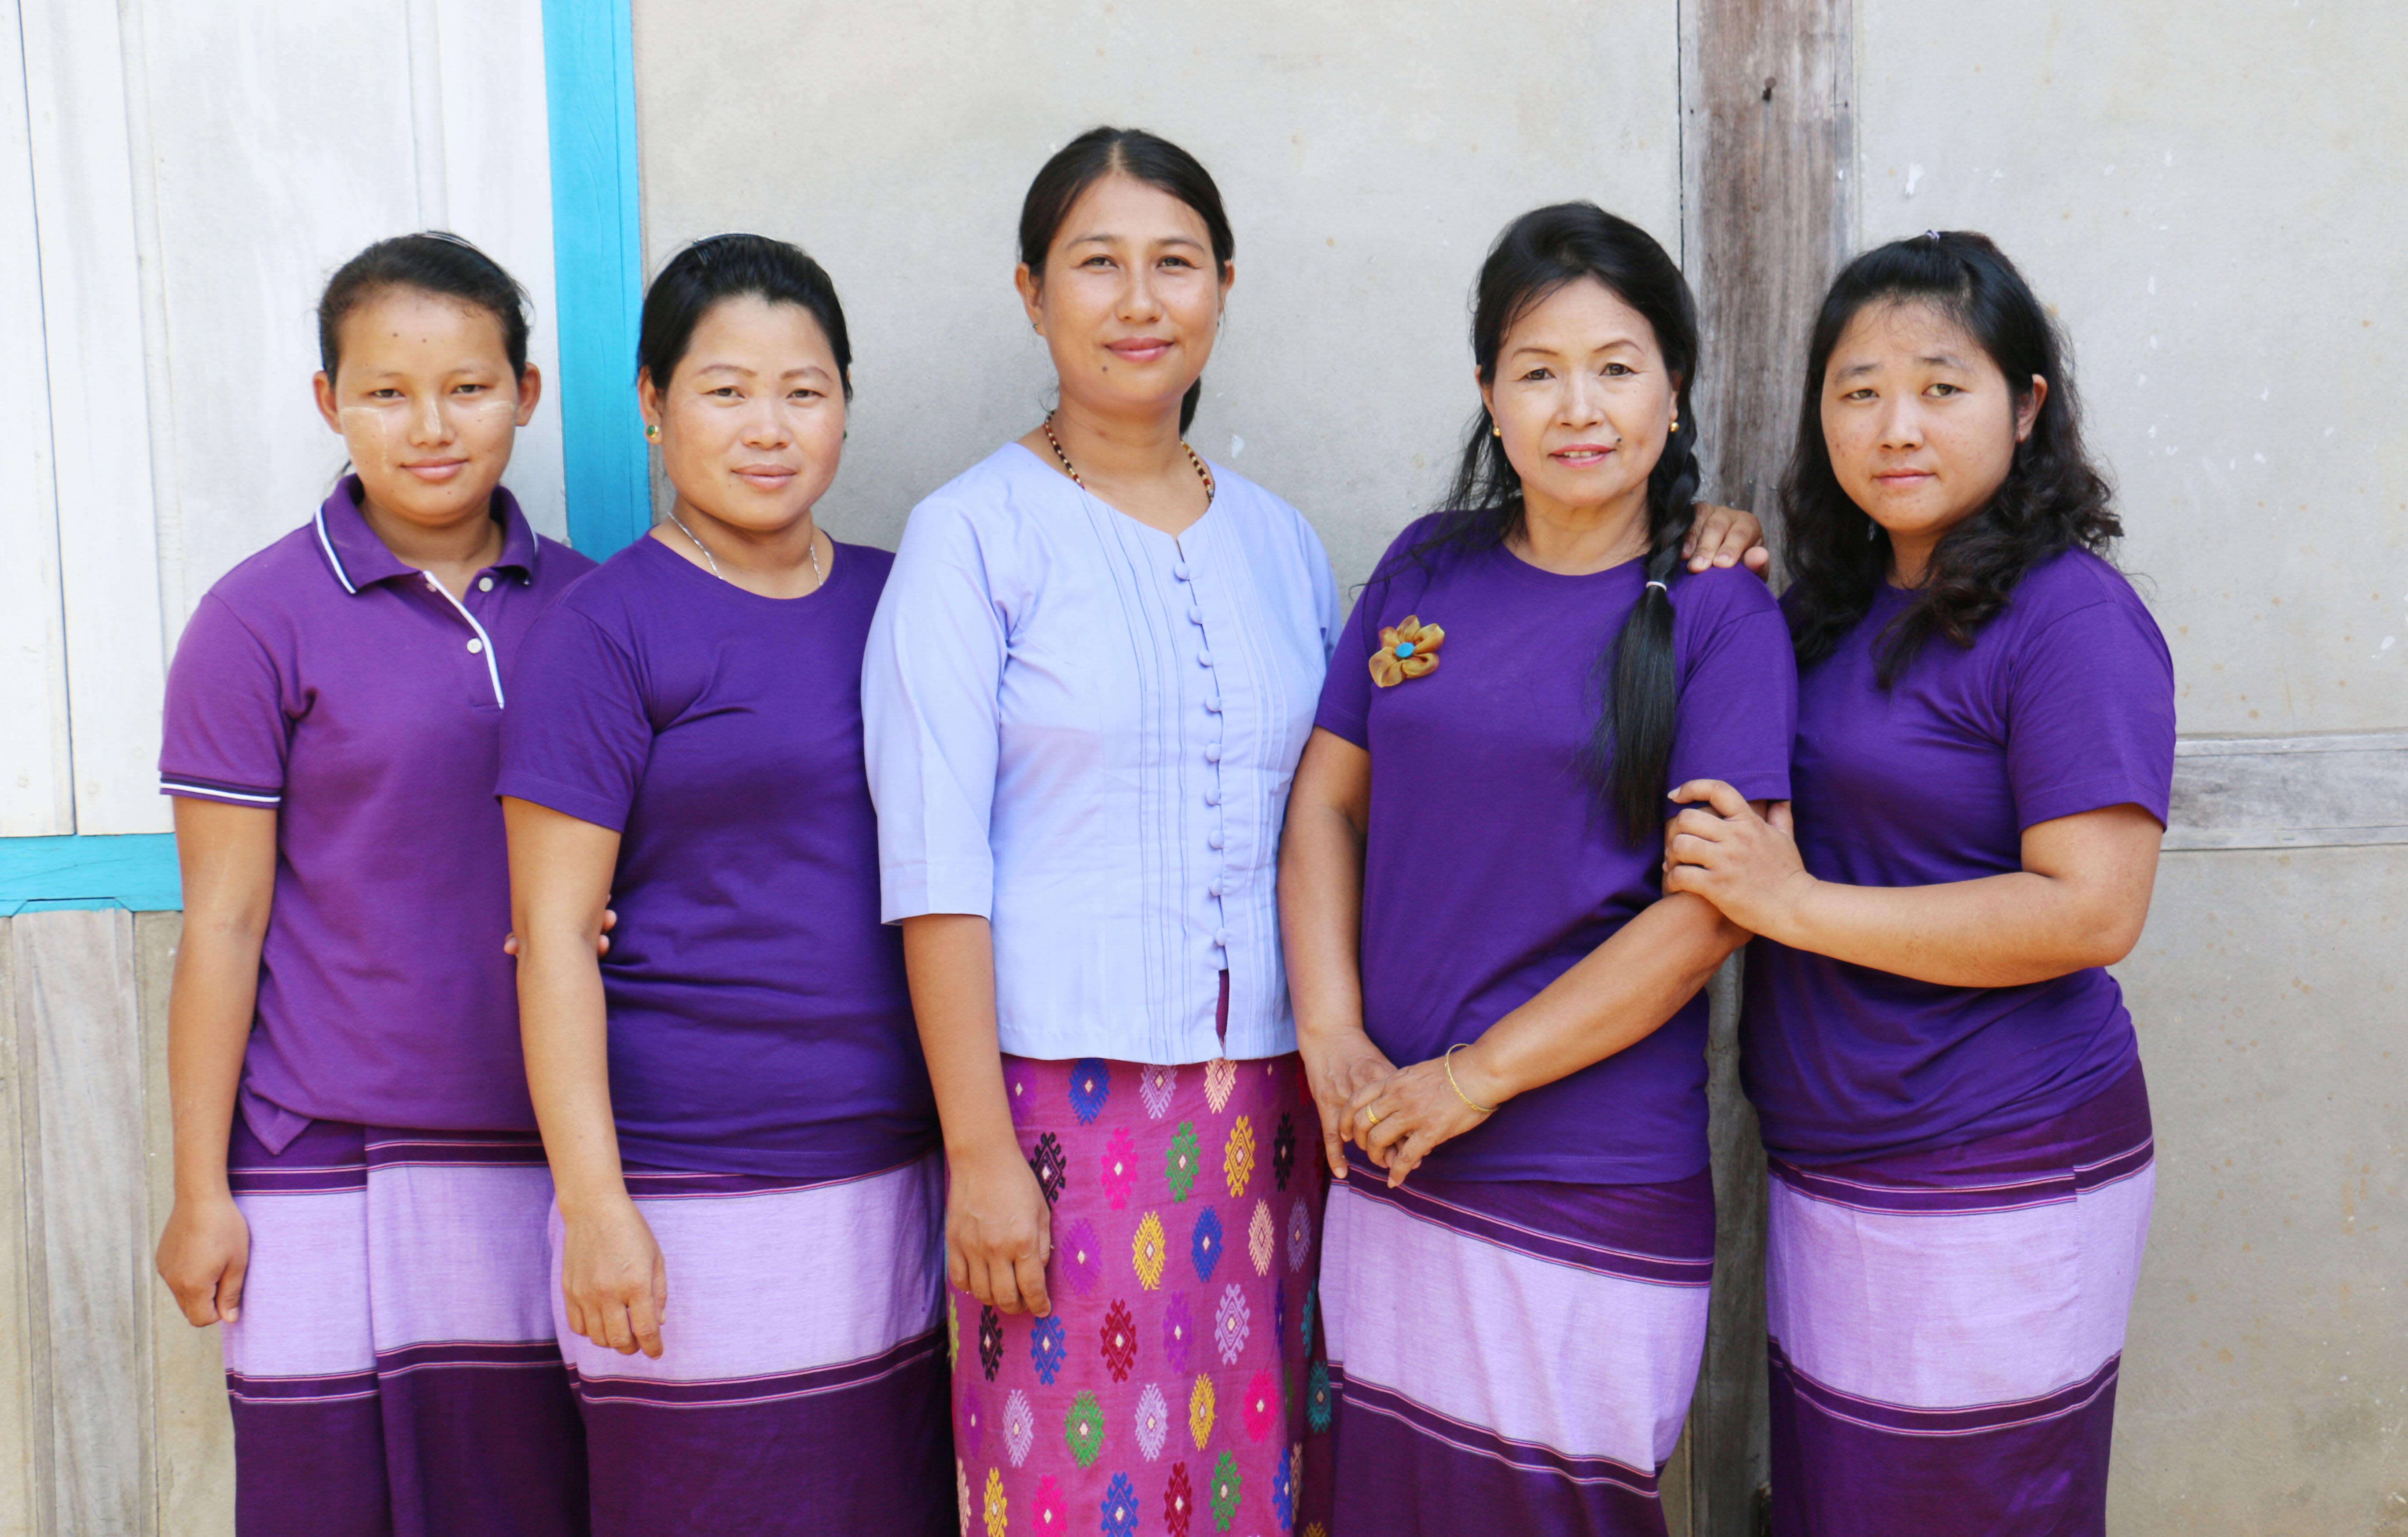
(1947, 1327)
(801, 1381)
(1513, 1356)
(394, 1373)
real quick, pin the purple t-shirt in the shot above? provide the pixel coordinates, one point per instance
(325, 680)
(2064, 704)
(758, 1018)
(1493, 863)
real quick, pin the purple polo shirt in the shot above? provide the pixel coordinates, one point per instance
(2063, 704)
(1493, 863)
(759, 1023)
(326, 680)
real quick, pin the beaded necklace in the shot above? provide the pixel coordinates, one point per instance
(1073, 470)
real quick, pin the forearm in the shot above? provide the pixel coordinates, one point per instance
(1619, 994)
(2000, 931)
(564, 1024)
(950, 960)
(1321, 919)
(210, 1011)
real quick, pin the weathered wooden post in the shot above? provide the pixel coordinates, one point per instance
(1768, 171)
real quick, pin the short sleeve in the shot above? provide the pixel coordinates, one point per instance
(1346, 692)
(931, 714)
(578, 732)
(1325, 591)
(1738, 710)
(229, 714)
(2090, 716)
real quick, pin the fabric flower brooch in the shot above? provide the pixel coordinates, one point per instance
(1406, 650)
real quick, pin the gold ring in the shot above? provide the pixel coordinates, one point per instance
(1371, 1116)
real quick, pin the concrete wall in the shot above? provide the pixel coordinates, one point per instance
(1367, 155)
(2203, 192)
(2200, 190)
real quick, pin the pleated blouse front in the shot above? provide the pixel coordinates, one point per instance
(1083, 730)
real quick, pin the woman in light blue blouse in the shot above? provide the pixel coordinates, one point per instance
(1087, 688)
(1090, 678)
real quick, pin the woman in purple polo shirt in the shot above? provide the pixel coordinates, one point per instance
(360, 1195)
(733, 1098)
(1949, 1083)
(1514, 1285)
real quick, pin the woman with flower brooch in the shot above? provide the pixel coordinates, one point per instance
(1516, 1263)
(1087, 685)
(1948, 1079)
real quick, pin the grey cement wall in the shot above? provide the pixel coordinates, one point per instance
(1366, 154)
(2207, 191)
(2266, 1378)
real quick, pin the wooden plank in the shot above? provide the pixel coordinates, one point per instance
(492, 64)
(321, 155)
(2290, 792)
(429, 162)
(589, 89)
(23, 1470)
(1768, 218)
(191, 1428)
(1728, 1435)
(36, 781)
(76, 1004)
(92, 312)
(1767, 144)
(167, 482)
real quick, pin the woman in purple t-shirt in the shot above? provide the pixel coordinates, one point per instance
(739, 1123)
(360, 1195)
(1948, 1080)
(1089, 683)
(1513, 1330)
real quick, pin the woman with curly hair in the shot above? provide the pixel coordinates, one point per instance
(1949, 1081)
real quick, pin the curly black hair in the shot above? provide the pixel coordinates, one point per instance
(2054, 498)
(1631, 748)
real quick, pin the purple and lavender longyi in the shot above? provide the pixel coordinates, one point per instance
(1513, 1355)
(801, 1383)
(394, 1370)
(1948, 1326)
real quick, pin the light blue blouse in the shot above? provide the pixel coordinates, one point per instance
(1083, 730)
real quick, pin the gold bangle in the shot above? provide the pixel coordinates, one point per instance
(1449, 1062)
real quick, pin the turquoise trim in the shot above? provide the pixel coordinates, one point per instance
(589, 66)
(132, 871)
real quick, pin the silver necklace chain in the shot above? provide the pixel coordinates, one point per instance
(818, 578)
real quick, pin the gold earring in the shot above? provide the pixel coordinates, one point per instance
(1496, 432)
(651, 433)
(1675, 427)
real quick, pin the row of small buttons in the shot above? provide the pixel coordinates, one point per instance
(1211, 748)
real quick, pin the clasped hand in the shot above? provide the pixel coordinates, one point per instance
(1397, 1121)
(1746, 865)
